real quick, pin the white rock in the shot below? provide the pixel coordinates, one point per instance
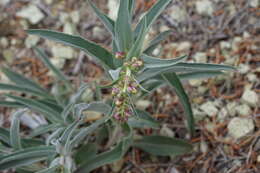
(113, 6)
(231, 108)
(243, 68)
(252, 77)
(31, 41)
(143, 104)
(32, 13)
(75, 16)
(254, 3)
(200, 57)
(57, 62)
(235, 43)
(204, 147)
(258, 159)
(240, 127)
(69, 28)
(250, 97)
(246, 35)
(225, 45)
(222, 114)
(177, 13)
(166, 131)
(198, 115)
(243, 110)
(184, 46)
(62, 52)
(195, 82)
(4, 42)
(209, 108)
(99, 33)
(4, 2)
(205, 7)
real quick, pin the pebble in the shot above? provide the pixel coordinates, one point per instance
(198, 115)
(143, 104)
(205, 7)
(243, 110)
(92, 116)
(75, 16)
(254, 3)
(250, 97)
(258, 159)
(231, 108)
(204, 147)
(252, 77)
(184, 46)
(58, 63)
(235, 43)
(8, 55)
(177, 13)
(31, 41)
(209, 108)
(62, 52)
(240, 127)
(222, 114)
(200, 57)
(225, 45)
(166, 131)
(195, 82)
(4, 42)
(243, 68)
(69, 28)
(4, 2)
(32, 13)
(99, 33)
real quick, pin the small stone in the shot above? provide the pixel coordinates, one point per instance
(8, 55)
(250, 97)
(198, 115)
(222, 114)
(177, 13)
(240, 127)
(202, 89)
(231, 108)
(200, 57)
(254, 3)
(246, 35)
(195, 82)
(32, 13)
(58, 63)
(205, 7)
(4, 42)
(75, 16)
(49, 2)
(243, 110)
(31, 41)
(209, 108)
(243, 68)
(166, 131)
(143, 104)
(69, 28)
(252, 77)
(99, 33)
(225, 45)
(62, 52)
(258, 159)
(235, 43)
(88, 95)
(204, 148)
(184, 46)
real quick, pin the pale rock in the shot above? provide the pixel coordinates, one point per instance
(222, 114)
(8, 55)
(243, 68)
(200, 57)
(113, 6)
(184, 46)
(205, 7)
(250, 97)
(4, 2)
(143, 104)
(230, 60)
(31, 41)
(240, 127)
(195, 82)
(198, 115)
(164, 28)
(92, 116)
(252, 77)
(204, 148)
(258, 159)
(202, 89)
(88, 95)
(254, 3)
(75, 16)
(25, 24)
(231, 108)
(246, 35)
(235, 43)
(4, 42)
(99, 33)
(32, 13)
(69, 28)
(225, 45)
(177, 13)
(62, 52)
(58, 63)
(49, 2)
(166, 131)
(157, 51)
(209, 108)
(243, 110)
(63, 17)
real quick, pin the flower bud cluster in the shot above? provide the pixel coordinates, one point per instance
(125, 87)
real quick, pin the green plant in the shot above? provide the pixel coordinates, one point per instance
(69, 145)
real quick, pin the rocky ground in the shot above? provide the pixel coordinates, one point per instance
(226, 108)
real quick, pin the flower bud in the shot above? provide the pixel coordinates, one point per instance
(134, 59)
(132, 89)
(115, 91)
(118, 102)
(117, 116)
(140, 63)
(120, 55)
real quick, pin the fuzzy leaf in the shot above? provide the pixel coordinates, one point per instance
(44, 129)
(144, 120)
(200, 75)
(87, 46)
(174, 81)
(163, 146)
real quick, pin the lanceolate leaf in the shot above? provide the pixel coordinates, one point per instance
(20, 88)
(43, 129)
(15, 139)
(163, 146)
(152, 62)
(109, 23)
(20, 80)
(204, 66)
(123, 31)
(131, 7)
(10, 104)
(44, 58)
(49, 113)
(4, 135)
(156, 41)
(52, 169)
(89, 47)
(200, 75)
(152, 14)
(144, 120)
(174, 81)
